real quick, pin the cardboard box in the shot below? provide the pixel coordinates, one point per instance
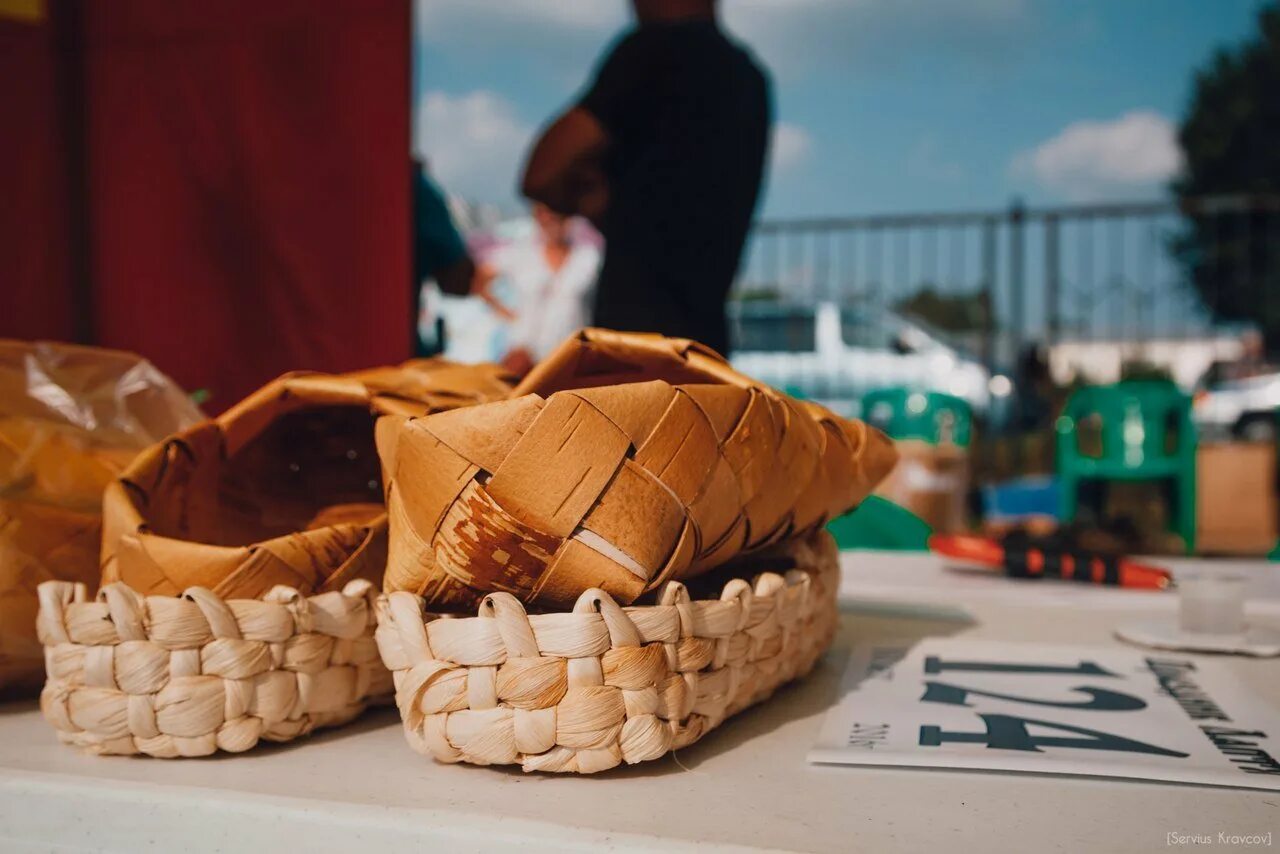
(932, 481)
(1236, 506)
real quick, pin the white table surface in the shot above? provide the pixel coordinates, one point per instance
(746, 785)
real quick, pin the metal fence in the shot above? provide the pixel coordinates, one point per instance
(998, 280)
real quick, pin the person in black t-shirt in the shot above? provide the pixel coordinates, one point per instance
(664, 153)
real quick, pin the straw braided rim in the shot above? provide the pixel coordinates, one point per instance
(585, 690)
(193, 674)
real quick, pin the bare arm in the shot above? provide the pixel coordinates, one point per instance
(563, 169)
(482, 286)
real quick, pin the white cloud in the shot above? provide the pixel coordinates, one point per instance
(474, 143)
(1091, 159)
(790, 145)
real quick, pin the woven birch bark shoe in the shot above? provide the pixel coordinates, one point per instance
(602, 684)
(578, 482)
(239, 561)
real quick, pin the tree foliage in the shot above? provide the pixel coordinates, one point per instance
(1230, 139)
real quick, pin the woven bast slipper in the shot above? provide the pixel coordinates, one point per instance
(578, 481)
(585, 690)
(239, 561)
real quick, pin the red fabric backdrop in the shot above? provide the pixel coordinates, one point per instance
(35, 283)
(247, 178)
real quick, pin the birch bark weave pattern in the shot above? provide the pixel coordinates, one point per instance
(586, 690)
(621, 487)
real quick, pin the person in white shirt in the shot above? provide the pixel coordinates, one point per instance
(552, 276)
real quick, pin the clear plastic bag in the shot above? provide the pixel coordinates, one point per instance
(71, 419)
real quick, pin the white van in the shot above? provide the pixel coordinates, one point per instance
(835, 354)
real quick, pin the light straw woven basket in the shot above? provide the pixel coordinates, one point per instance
(187, 676)
(603, 684)
(239, 561)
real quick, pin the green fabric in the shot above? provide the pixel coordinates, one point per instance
(878, 523)
(436, 241)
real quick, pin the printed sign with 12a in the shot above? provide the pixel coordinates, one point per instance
(1057, 710)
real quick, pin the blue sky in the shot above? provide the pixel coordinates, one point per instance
(883, 105)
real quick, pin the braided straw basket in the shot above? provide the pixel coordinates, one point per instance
(586, 690)
(240, 558)
(187, 676)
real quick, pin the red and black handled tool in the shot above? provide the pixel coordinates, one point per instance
(1030, 561)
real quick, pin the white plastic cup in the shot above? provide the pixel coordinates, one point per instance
(1212, 604)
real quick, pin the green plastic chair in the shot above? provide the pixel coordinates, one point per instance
(929, 415)
(878, 523)
(1136, 419)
